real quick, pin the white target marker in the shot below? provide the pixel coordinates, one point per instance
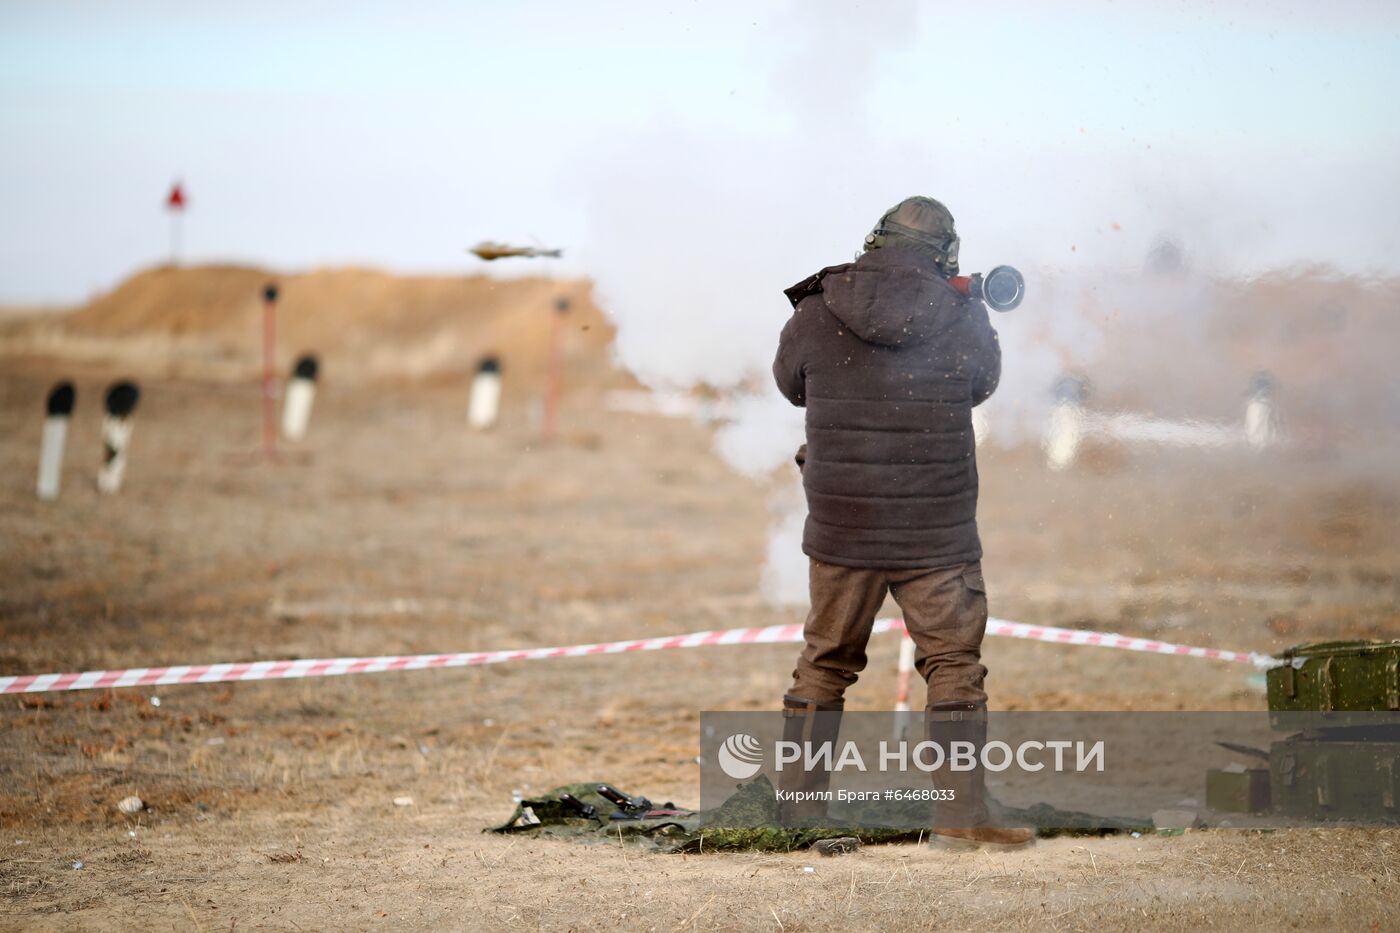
(58, 410)
(301, 393)
(1260, 416)
(1065, 429)
(116, 435)
(485, 405)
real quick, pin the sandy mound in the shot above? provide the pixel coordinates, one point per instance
(362, 323)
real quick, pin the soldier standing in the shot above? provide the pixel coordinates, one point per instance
(889, 359)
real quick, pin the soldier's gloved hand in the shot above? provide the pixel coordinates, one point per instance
(974, 287)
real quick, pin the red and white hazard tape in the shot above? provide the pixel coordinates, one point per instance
(772, 634)
(1075, 636)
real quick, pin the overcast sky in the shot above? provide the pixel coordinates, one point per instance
(690, 136)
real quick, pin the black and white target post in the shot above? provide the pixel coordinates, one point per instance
(1065, 427)
(1261, 423)
(301, 394)
(120, 403)
(269, 379)
(57, 412)
(485, 406)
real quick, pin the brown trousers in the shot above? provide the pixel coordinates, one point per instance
(945, 611)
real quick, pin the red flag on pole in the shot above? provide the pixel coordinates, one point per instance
(175, 204)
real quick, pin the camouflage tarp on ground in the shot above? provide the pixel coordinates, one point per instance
(748, 820)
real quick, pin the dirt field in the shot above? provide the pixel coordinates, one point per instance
(272, 805)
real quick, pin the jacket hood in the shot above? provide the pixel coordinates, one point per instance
(891, 297)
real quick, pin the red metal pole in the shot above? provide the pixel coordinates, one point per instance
(269, 372)
(554, 375)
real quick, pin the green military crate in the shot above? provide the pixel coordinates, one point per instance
(1337, 676)
(1241, 791)
(1336, 779)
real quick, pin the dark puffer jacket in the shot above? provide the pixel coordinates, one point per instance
(889, 361)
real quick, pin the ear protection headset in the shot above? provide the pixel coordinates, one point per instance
(945, 245)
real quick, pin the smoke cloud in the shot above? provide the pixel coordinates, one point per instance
(694, 232)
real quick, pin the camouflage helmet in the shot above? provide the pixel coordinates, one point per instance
(923, 224)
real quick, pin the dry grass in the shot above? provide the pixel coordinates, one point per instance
(271, 805)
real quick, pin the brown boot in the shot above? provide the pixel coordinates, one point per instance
(809, 725)
(963, 821)
(978, 837)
